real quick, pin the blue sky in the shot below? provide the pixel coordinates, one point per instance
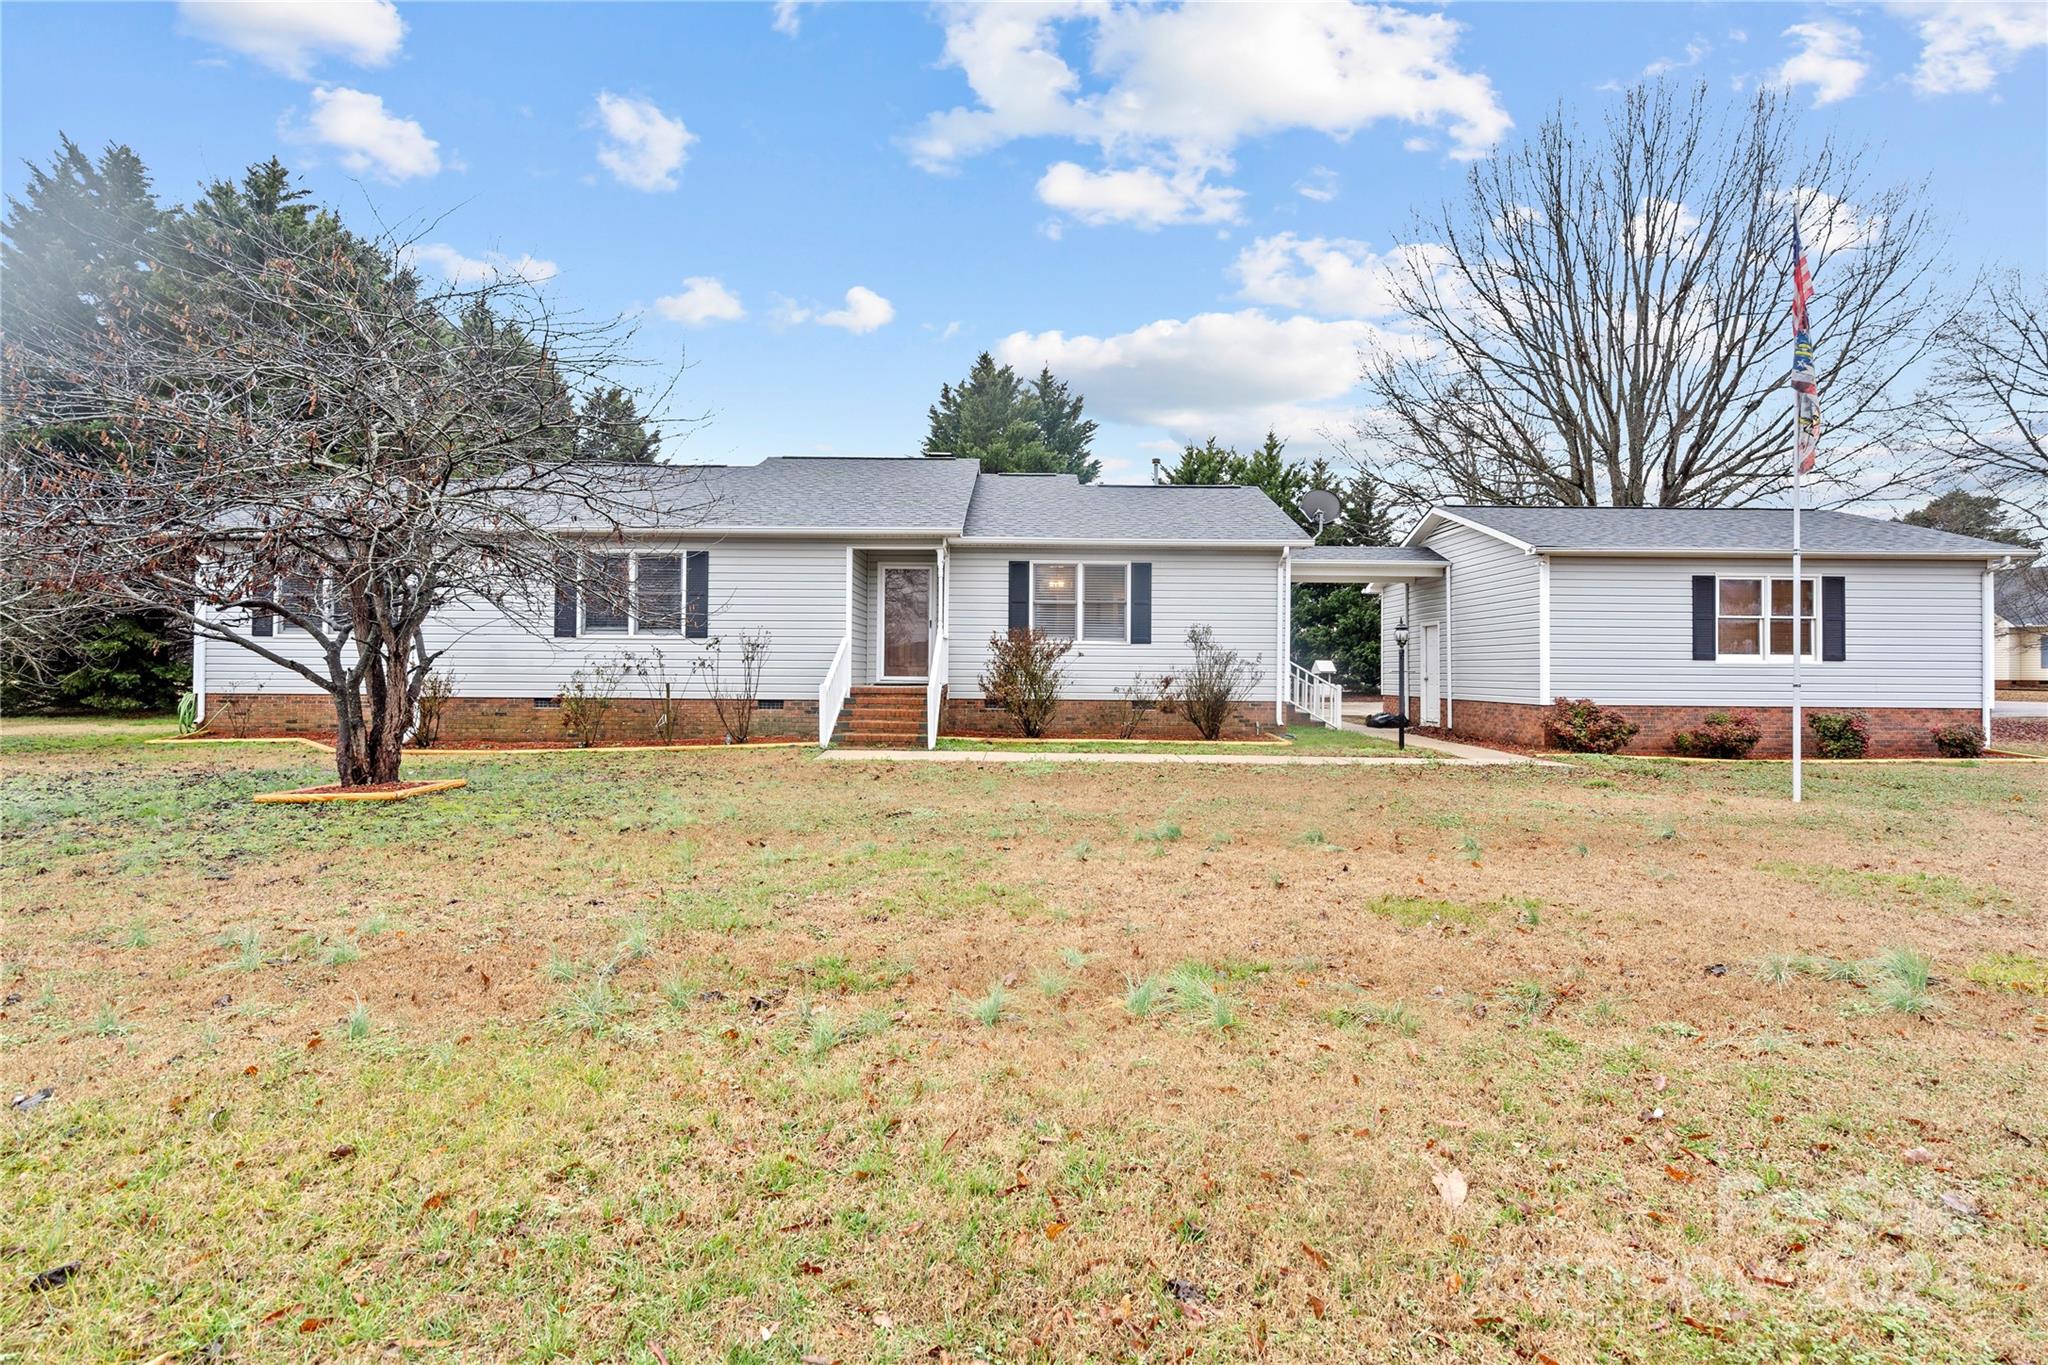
(829, 209)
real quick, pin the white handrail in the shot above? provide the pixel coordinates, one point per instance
(1315, 696)
(935, 690)
(832, 692)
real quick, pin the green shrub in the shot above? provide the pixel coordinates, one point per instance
(1583, 726)
(1839, 734)
(1719, 734)
(1959, 741)
(1023, 676)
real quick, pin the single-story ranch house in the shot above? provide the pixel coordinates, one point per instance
(879, 583)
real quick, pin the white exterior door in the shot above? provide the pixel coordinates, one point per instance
(1432, 665)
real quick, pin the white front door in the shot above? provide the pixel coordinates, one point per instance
(906, 641)
(1432, 664)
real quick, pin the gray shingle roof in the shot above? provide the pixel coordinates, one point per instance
(2021, 596)
(1729, 530)
(785, 493)
(1017, 507)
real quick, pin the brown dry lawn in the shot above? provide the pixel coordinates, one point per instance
(746, 1057)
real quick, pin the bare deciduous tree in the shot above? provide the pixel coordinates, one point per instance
(300, 437)
(1987, 402)
(1603, 318)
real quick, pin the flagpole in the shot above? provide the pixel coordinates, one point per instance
(1798, 607)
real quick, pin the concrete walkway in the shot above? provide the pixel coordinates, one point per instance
(1097, 756)
(1354, 719)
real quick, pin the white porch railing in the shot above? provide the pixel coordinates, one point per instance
(832, 692)
(935, 689)
(1318, 697)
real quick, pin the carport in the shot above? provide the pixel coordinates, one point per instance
(1373, 569)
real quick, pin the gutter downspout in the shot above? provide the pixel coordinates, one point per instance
(1281, 655)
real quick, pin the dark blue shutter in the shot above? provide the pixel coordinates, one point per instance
(697, 594)
(1020, 594)
(260, 621)
(1834, 644)
(1141, 604)
(1703, 632)
(565, 597)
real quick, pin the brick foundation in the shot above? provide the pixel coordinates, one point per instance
(514, 719)
(1895, 731)
(1096, 719)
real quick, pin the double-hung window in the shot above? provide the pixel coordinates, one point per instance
(298, 594)
(607, 593)
(658, 594)
(1756, 618)
(1073, 601)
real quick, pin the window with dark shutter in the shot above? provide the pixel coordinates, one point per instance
(1703, 614)
(1141, 604)
(697, 597)
(565, 597)
(1020, 594)
(1833, 625)
(607, 594)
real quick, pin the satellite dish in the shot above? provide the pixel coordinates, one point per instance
(1320, 505)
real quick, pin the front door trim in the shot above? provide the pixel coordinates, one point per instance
(882, 567)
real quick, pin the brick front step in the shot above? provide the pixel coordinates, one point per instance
(883, 718)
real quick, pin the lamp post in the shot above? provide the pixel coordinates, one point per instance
(1401, 643)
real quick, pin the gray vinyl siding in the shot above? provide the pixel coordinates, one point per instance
(1420, 603)
(1494, 616)
(1234, 592)
(1621, 633)
(794, 590)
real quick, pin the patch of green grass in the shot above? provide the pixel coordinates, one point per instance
(1922, 890)
(1141, 995)
(2010, 972)
(106, 1023)
(988, 1010)
(135, 935)
(1366, 1014)
(246, 942)
(1074, 958)
(833, 972)
(595, 1008)
(338, 952)
(357, 1026)
(562, 969)
(1901, 981)
(1052, 983)
(1413, 912)
(1165, 832)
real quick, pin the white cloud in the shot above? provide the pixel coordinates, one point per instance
(1331, 276)
(1966, 47)
(865, 310)
(1228, 374)
(461, 270)
(290, 37)
(369, 138)
(1320, 184)
(1418, 144)
(1830, 59)
(788, 17)
(1143, 197)
(643, 147)
(1173, 91)
(704, 299)
(1663, 66)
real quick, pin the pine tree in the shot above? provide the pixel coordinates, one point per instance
(994, 417)
(77, 237)
(611, 427)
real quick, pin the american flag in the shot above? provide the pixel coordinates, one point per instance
(1806, 389)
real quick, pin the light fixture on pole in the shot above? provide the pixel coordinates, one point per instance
(1401, 714)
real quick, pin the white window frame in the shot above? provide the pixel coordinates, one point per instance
(1764, 654)
(1081, 568)
(632, 628)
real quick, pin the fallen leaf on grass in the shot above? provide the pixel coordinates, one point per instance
(1753, 1273)
(274, 1314)
(433, 1201)
(1322, 1263)
(314, 1324)
(1958, 1201)
(1053, 1230)
(1451, 1186)
(1675, 1173)
(44, 1280)
(1917, 1156)
(1316, 1306)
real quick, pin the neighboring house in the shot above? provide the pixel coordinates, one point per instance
(2020, 606)
(878, 584)
(1667, 614)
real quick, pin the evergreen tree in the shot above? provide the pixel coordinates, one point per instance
(611, 427)
(1968, 514)
(1011, 427)
(77, 237)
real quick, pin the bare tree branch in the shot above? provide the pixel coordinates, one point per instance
(1603, 319)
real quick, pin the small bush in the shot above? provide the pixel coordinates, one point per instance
(1720, 734)
(1023, 676)
(1583, 726)
(587, 701)
(1145, 695)
(1839, 734)
(436, 690)
(1959, 741)
(1217, 680)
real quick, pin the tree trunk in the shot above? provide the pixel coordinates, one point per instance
(370, 728)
